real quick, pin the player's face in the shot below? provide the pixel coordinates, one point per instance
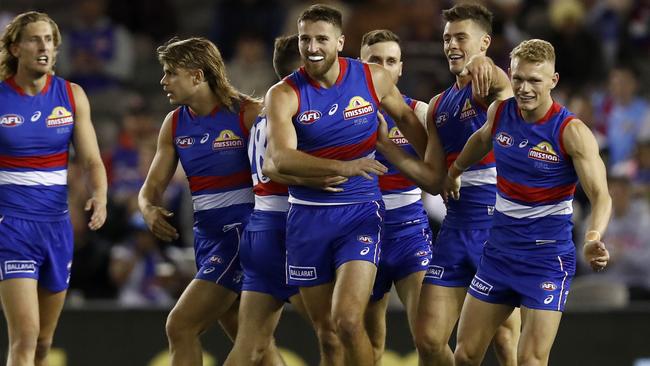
(462, 40)
(35, 49)
(319, 43)
(532, 82)
(386, 54)
(178, 84)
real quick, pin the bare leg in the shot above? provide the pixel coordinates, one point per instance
(408, 290)
(537, 336)
(20, 305)
(375, 322)
(506, 339)
(50, 305)
(318, 302)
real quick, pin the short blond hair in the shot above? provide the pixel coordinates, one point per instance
(534, 50)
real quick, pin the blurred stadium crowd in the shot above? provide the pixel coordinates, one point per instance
(603, 54)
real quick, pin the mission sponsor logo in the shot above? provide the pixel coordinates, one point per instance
(227, 140)
(544, 152)
(396, 136)
(59, 117)
(11, 120)
(357, 107)
(184, 142)
(505, 140)
(309, 117)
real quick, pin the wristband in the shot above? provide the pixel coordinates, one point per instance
(590, 234)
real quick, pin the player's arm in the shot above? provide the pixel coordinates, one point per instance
(392, 102)
(427, 174)
(251, 111)
(281, 104)
(160, 173)
(475, 149)
(489, 81)
(328, 183)
(581, 145)
(87, 150)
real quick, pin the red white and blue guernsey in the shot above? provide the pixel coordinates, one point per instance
(35, 133)
(326, 229)
(530, 256)
(459, 245)
(406, 247)
(213, 152)
(263, 250)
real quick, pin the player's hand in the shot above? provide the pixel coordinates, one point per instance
(329, 184)
(382, 130)
(451, 188)
(480, 68)
(156, 219)
(596, 254)
(98, 216)
(363, 167)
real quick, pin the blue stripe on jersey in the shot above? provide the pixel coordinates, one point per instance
(340, 123)
(457, 116)
(35, 133)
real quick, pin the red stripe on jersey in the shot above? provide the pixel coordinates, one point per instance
(370, 83)
(497, 114)
(270, 189)
(394, 182)
(348, 152)
(488, 159)
(199, 183)
(525, 193)
(37, 162)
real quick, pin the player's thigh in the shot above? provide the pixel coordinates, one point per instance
(318, 303)
(354, 281)
(375, 319)
(50, 305)
(478, 323)
(201, 304)
(259, 314)
(539, 328)
(409, 289)
(19, 298)
(438, 311)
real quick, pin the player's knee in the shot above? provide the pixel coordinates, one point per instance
(428, 342)
(24, 341)
(505, 343)
(329, 340)
(43, 346)
(531, 359)
(348, 325)
(176, 327)
(462, 357)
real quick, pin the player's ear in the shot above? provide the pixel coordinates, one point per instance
(340, 43)
(555, 79)
(486, 40)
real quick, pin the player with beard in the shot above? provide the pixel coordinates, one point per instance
(322, 121)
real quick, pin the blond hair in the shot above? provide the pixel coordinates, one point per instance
(12, 34)
(534, 50)
(201, 54)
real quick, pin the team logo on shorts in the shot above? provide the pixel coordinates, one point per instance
(425, 262)
(11, 120)
(544, 152)
(302, 273)
(184, 142)
(480, 286)
(435, 272)
(215, 259)
(227, 140)
(548, 299)
(20, 266)
(59, 117)
(548, 286)
(366, 239)
(208, 270)
(309, 117)
(357, 107)
(442, 119)
(396, 136)
(365, 251)
(504, 139)
(421, 253)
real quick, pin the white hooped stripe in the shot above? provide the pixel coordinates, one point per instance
(397, 200)
(478, 177)
(225, 199)
(566, 274)
(272, 203)
(518, 211)
(35, 178)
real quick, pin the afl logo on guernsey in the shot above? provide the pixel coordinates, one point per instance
(309, 117)
(11, 120)
(357, 107)
(504, 139)
(184, 141)
(227, 140)
(442, 119)
(396, 136)
(544, 152)
(59, 117)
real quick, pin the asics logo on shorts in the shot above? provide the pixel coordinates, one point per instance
(365, 251)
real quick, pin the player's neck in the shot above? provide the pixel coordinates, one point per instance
(537, 113)
(30, 84)
(462, 81)
(203, 102)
